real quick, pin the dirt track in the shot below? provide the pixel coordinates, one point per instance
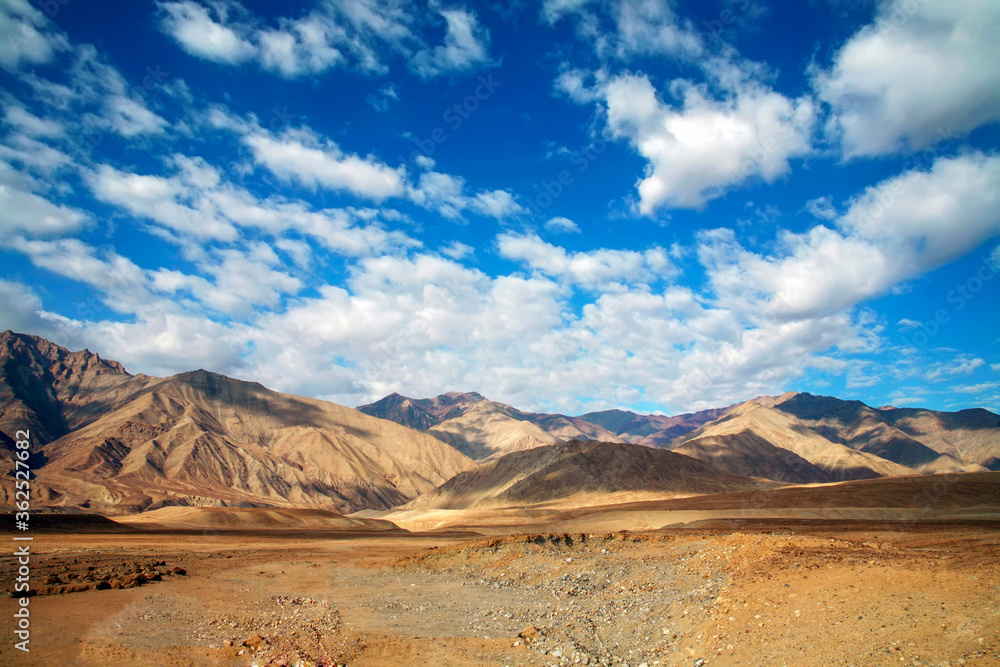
(766, 594)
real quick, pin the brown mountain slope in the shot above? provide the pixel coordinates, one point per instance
(595, 470)
(865, 429)
(566, 428)
(746, 453)
(428, 413)
(127, 443)
(488, 430)
(50, 391)
(421, 413)
(787, 432)
(970, 435)
(202, 438)
(651, 430)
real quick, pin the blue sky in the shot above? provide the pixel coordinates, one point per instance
(569, 205)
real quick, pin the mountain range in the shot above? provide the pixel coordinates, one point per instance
(112, 442)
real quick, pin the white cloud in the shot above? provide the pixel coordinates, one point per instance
(922, 71)
(705, 147)
(894, 231)
(303, 47)
(961, 365)
(241, 281)
(129, 117)
(446, 194)
(196, 205)
(495, 203)
(33, 155)
(562, 225)
(23, 311)
(553, 10)
(466, 44)
(336, 33)
(25, 36)
(164, 343)
(652, 27)
(457, 250)
(29, 124)
(165, 200)
(27, 213)
(594, 269)
(200, 35)
(822, 208)
(301, 156)
(118, 278)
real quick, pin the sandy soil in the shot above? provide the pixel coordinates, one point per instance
(757, 593)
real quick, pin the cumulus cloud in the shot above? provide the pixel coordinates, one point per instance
(593, 269)
(703, 147)
(446, 194)
(921, 71)
(301, 156)
(561, 225)
(26, 36)
(26, 212)
(29, 124)
(894, 231)
(821, 208)
(624, 29)
(466, 44)
(201, 35)
(196, 204)
(652, 27)
(336, 33)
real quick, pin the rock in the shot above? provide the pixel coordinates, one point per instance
(115, 583)
(699, 663)
(102, 586)
(178, 570)
(133, 580)
(52, 580)
(529, 634)
(254, 641)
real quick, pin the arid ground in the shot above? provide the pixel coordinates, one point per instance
(768, 592)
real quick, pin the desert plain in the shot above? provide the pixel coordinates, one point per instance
(841, 574)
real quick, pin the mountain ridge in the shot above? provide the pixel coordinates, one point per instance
(128, 443)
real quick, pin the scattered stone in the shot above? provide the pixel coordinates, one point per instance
(529, 634)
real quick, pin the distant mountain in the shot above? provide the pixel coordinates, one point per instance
(488, 429)
(592, 472)
(925, 440)
(970, 435)
(651, 430)
(114, 442)
(839, 439)
(746, 453)
(422, 413)
(481, 428)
